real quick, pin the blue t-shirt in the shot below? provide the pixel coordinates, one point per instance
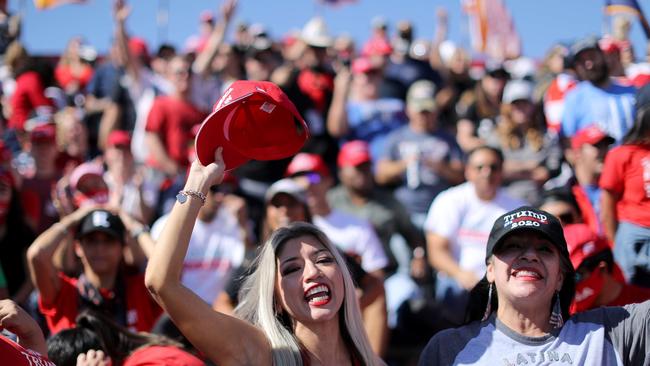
(373, 120)
(420, 184)
(611, 108)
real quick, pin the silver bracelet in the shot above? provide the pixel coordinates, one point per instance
(191, 193)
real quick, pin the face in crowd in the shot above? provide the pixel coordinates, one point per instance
(484, 170)
(309, 282)
(525, 269)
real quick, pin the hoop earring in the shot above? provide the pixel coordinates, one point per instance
(556, 315)
(488, 308)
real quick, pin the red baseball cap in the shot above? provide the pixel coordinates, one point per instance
(43, 133)
(354, 153)
(583, 243)
(589, 135)
(251, 120)
(362, 65)
(138, 48)
(119, 138)
(307, 163)
(377, 46)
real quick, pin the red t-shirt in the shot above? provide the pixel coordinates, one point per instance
(64, 76)
(141, 310)
(162, 356)
(11, 353)
(172, 119)
(631, 295)
(627, 172)
(28, 96)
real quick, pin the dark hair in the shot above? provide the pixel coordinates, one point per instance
(116, 341)
(590, 263)
(640, 131)
(478, 295)
(493, 149)
(63, 347)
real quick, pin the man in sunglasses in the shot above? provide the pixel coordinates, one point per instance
(458, 225)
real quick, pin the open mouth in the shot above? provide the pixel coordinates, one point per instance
(528, 274)
(318, 295)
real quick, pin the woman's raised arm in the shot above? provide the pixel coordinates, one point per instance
(224, 339)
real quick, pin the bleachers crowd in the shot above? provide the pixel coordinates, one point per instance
(415, 149)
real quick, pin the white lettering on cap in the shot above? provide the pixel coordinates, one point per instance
(100, 218)
(224, 100)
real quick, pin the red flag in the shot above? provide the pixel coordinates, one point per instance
(492, 31)
(46, 4)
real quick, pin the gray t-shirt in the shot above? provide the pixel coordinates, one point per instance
(604, 336)
(420, 183)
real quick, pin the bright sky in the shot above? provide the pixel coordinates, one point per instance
(540, 22)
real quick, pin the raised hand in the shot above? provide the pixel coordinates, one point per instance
(228, 9)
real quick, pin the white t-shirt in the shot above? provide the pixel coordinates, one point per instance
(354, 236)
(215, 249)
(458, 215)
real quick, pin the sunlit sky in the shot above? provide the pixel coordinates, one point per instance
(540, 23)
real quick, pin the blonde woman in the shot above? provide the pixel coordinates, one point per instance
(298, 307)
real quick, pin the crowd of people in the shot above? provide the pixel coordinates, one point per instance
(435, 191)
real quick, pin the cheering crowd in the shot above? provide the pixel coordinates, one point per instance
(426, 180)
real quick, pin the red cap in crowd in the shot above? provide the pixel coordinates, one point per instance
(43, 133)
(377, 46)
(589, 135)
(354, 153)
(138, 48)
(307, 163)
(362, 65)
(119, 138)
(252, 120)
(583, 243)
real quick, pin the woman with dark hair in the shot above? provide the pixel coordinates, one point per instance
(97, 333)
(517, 312)
(298, 307)
(625, 200)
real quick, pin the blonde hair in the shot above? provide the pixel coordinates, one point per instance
(257, 302)
(506, 129)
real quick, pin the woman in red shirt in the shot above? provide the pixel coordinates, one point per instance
(625, 200)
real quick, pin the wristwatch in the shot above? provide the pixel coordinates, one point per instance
(182, 196)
